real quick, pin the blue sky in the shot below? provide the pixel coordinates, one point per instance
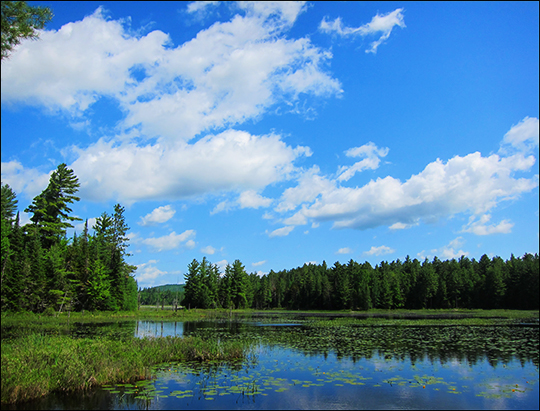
(285, 133)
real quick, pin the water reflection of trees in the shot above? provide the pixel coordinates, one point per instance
(443, 344)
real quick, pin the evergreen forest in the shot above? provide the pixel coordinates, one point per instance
(169, 294)
(45, 271)
(410, 284)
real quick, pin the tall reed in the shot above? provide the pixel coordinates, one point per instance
(35, 365)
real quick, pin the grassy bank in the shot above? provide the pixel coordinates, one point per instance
(36, 365)
(153, 313)
(40, 356)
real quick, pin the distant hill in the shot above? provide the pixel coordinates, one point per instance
(170, 287)
(166, 294)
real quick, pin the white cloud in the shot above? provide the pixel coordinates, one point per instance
(96, 55)
(200, 6)
(480, 227)
(158, 216)
(285, 11)
(345, 250)
(310, 186)
(171, 241)
(381, 250)
(24, 181)
(523, 136)
(382, 24)
(230, 161)
(281, 232)
(250, 199)
(448, 252)
(258, 264)
(471, 184)
(147, 274)
(225, 205)
(401, 226)
(371, 155)
(208, 250)
(229, 73)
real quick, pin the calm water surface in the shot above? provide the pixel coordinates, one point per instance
(280, 375)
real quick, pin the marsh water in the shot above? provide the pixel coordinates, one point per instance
(293, 364)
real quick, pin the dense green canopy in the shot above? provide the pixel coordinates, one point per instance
(464, 283)
(43, 270)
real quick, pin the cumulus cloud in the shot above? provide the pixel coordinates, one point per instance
(96, 55)
(449, 252)
(200, 6)
(246, 199)
(250, 199)
(310, 185)
(259, 263)
(222, 265)
(26, 181)
(283, 11)
(171, 241)
(401, 226)
(230, 161)
(471, 184)
(382, 24)
(208, 250)
(230, 72)
(381, 250)
(522, 136)
(281, 232)
(480, 227)
(157, 216)
(345, 250)
(371, 158)
(147, 273)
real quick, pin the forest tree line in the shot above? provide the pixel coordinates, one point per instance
(45, 271)
(410, 284)
(170, 294)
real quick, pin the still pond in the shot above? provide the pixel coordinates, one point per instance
(294, 365)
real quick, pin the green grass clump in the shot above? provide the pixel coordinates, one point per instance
(36, 365)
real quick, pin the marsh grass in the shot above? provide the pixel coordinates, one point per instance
(39, 356)
(35, 365)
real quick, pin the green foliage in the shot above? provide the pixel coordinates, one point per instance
(410, 284)
(50, 211)
(163, 294)
(9, 202)
(21, 21)
(38, 364)
(43, 271)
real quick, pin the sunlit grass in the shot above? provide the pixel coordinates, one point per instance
(41, 357)
(36, 365)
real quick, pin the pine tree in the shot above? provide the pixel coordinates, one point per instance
(112, 243)
(8, 203)
(50, 211)
(238, 285)
(192, 286)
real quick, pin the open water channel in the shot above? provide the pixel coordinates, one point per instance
(293, 365)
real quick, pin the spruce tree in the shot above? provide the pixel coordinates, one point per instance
(8, 203)
(50, 211)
